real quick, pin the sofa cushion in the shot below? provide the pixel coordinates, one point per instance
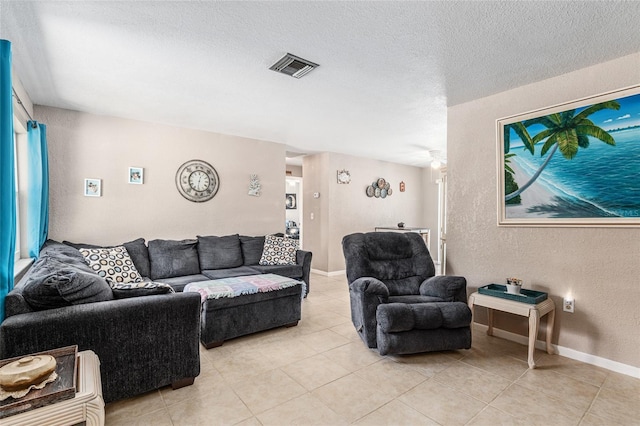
(137, 251)
(62, 252)
(178, 283)
(171, 258)
(397, 317)
(413, 298)
(113, 264)
(241, 271)
(140, 255)
(54, 284)
(291, 271)
(219, 252)
(145, 288)
(251, 249)
(279, 251)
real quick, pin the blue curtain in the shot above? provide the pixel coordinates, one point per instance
(7, 177)
(38, 194)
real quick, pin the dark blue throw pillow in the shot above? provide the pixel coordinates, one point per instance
(54, 284)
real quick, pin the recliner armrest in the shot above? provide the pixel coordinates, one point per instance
(370, 286)
(365, 295)
(447, 287)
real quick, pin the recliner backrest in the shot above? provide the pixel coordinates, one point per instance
(400, 260)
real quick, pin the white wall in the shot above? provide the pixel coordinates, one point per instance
(345, 209)
(599, 266)
(83, 145)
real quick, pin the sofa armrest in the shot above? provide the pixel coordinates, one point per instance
(304, 258)
(143, 342)
(449, 288)
(365, 294)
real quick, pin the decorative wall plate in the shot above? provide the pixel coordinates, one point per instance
(387, 186)
(344, 176)
(197, 181)
(381, 183)
(377, 192)
(389, 191)
(370, 191)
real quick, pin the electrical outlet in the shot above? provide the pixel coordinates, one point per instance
(568, 305)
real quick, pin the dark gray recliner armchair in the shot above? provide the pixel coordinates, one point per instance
(397, 304)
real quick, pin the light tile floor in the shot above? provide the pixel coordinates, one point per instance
(320, 373)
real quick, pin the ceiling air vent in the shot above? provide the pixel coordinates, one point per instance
(293, 65)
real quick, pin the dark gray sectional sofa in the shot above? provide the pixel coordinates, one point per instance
(143, 343)
(178, 263)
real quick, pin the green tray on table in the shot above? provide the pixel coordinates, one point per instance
(526, 296)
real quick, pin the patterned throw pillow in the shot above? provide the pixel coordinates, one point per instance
(145, 288)
(279, 251)
(113, 264)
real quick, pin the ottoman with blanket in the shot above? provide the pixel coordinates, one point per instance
(234, 307)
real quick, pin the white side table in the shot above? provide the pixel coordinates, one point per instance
(87, 406)
(533, 312)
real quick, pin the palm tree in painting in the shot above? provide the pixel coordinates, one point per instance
(565, 131)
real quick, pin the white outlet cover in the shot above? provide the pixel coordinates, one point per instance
(568, 305)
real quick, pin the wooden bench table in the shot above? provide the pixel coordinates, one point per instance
(533, 312)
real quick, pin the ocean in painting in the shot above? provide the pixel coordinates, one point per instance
(600, 181)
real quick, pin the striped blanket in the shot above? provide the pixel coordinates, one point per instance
(237, 286)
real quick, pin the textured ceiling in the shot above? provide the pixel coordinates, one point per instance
(388, 70)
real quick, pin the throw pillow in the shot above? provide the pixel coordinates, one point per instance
(219, 252)
(251, 249)
(113, 264)
(145, 288)
(53, 284)
(137, 251)
(279, 251)
(170, 258)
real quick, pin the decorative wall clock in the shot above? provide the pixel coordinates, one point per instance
(197, 181)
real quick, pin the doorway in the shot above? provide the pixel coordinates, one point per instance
(293, 208)
(442, 221)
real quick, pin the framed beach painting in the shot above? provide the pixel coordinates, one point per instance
(575, 164)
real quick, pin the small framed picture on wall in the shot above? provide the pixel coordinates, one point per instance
(290, 202)
(93, 187)
(136, 175)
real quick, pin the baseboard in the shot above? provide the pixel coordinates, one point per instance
(608, 364)
(328, 274)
